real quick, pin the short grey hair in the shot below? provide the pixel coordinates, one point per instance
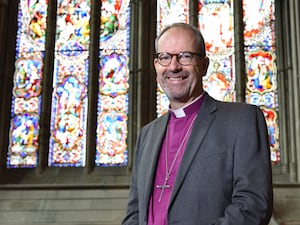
(198, 35)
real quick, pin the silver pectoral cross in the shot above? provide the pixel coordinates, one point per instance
(163, 187)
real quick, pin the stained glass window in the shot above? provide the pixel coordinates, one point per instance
(169, 11)
(26, 100)
(69, 104)
(112, 116)
(69, 101)
(260, 53)
(215, 20)
(216, 25)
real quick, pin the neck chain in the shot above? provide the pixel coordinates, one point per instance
(165, 185)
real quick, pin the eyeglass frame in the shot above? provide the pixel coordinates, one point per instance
(177, 57)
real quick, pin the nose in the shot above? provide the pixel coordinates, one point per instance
(175, 65)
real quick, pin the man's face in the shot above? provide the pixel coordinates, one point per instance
(182, 84)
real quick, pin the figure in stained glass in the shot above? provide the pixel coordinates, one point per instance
(69, 105)
(27, 82)
(24, 130)
(114, 74)
(70, 94)
(69, 102)
(271, 118)
(113, 137)
(111, 149)
(27, 89)
(260, 71)
(260, 57)
(217, 84)
(37, 24)
(73, 24)
(24, 140)
(68, 125)
(109, 23)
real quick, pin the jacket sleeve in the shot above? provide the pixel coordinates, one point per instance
(252, 196)
(132, 214)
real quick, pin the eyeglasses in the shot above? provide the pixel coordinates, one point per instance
(183, 58)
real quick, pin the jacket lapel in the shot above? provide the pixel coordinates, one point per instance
(202, 123)
(158, 133)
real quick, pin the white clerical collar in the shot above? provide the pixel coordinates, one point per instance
(179, 113)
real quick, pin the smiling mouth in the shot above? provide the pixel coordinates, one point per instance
(176, 78)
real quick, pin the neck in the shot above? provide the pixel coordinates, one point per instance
(175, 105)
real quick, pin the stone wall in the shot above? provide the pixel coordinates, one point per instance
(62, 207)
(104, 207)
(287, 205)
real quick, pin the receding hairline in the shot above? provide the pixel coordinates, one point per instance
(197, 33)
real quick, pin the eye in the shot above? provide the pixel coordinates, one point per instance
(164, 57)
(185, 55)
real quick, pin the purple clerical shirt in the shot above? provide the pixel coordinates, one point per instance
(180, 122)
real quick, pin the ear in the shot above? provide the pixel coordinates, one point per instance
(205, 64)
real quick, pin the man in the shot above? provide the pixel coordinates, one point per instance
(204, 162)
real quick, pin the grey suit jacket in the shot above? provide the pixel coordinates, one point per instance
(225, 173)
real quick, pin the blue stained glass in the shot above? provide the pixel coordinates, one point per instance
(112, 118)
(26, 99)
(70, 84)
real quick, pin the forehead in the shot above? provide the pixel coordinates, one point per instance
(177, 39)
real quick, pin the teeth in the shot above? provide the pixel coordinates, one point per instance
(175, 78)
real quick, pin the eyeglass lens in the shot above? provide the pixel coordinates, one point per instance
(184, 58)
